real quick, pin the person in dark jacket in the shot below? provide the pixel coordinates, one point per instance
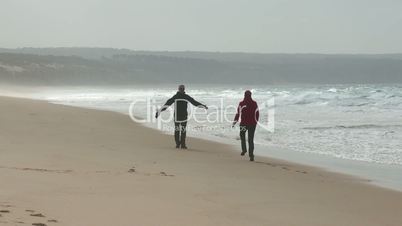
(248, 113)
(180, 99)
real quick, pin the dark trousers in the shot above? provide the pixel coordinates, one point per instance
(180, 133)
(251, 131)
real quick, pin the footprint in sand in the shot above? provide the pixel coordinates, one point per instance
(132, 170)
(166, 175)
(298, 171)
(162, 173)
(283, 167)
(37, 215)
(18, 220)
(266, 163)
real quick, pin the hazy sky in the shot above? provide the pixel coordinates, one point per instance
(291, 26)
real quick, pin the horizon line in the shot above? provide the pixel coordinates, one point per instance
(200, 51)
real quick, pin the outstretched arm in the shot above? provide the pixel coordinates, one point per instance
(196, 103)
(165, 106)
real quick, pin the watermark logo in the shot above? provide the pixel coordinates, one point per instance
(219, 115)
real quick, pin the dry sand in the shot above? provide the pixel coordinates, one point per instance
(62, 165)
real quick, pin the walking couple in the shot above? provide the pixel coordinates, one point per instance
(247, 112)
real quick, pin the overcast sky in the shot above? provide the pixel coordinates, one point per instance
(269, 26)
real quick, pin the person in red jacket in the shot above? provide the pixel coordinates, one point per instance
(248, 113)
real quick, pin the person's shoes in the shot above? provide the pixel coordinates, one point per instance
(251, 158)
(184, 147)
(177, 146)
(243, 153)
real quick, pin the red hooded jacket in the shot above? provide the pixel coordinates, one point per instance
(247, 111)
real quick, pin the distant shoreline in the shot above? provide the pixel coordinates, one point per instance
(105, 66)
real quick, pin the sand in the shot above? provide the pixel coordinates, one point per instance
(62, 165)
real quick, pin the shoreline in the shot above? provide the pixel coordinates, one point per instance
(379, 174)
(89, 167)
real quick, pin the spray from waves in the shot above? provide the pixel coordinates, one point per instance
(364, 126)
(353, 96)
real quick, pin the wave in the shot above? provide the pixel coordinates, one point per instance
(363, 126)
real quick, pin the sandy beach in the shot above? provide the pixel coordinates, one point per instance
(63, 165)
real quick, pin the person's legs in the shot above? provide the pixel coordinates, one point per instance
(251, 131)
(177, 134)
(243, 130)
(183, 135)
